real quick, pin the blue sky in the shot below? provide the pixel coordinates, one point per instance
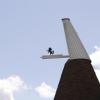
(29, 27)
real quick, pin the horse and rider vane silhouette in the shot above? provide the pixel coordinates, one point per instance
(50, 51)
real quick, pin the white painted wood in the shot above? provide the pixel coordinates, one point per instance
(75, 46)
(55, 56)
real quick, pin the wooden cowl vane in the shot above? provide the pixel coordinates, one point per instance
(78, 80)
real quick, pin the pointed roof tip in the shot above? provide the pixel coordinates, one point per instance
(66, 19)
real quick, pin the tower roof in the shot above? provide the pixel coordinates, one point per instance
(78, 81)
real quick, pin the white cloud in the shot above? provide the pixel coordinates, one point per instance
(98, 74)
(10, 85)
(95, 57)
(45, 90)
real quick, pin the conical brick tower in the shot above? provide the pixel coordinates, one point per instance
(78, 80)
